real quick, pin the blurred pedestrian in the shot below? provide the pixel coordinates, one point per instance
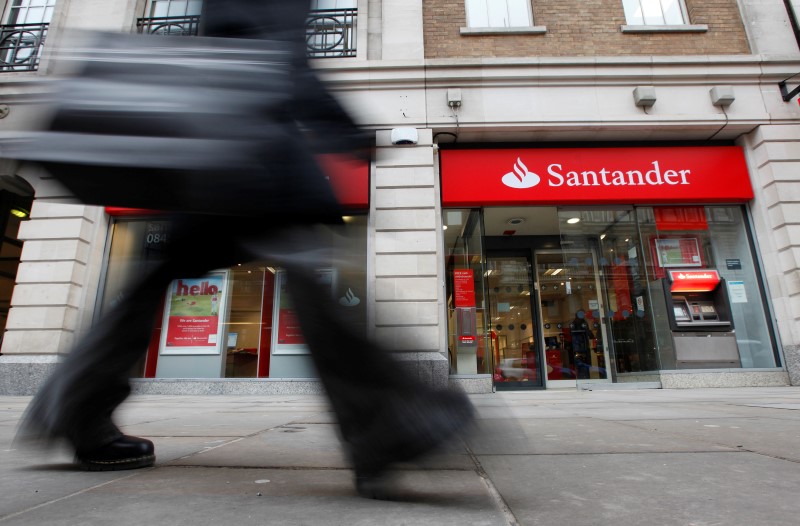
(384, 414)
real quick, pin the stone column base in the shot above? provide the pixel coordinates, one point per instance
(22, 375)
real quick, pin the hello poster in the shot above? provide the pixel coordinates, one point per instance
(193, 315)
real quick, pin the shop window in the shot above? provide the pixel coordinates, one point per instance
(499, 13)
(693, 240)
(604, 270)
(234, 322)
(470, 344)
(655, 12)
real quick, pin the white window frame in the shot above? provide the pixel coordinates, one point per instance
(317, 5)
(641, 25)
(151, 8)
(511, 27)
(632, 5)
(483, 5)
(23, 7)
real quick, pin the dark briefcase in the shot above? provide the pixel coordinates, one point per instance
(188, 124)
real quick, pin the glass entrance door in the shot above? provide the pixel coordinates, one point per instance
(572, 314)
(515, 337)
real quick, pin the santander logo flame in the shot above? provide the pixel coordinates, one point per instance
(521, 177)
(349, 299)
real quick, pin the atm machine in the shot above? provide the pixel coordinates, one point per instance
(699, 313)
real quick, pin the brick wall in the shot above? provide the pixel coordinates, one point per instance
(584, 28)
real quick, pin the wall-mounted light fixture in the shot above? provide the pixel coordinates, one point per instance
(644, 96)
(722, 95)
(407, 136)
(454, 98)
(20, 212)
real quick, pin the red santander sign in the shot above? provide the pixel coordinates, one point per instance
(548, 176)
(693, 280)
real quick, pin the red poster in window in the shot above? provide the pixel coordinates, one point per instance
(680, 218)
(464, 288)
(192, 332)
(289, 331)
(193, 317)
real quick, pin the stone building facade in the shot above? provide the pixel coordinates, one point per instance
(563, 78)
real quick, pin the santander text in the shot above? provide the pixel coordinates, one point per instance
(604, 177)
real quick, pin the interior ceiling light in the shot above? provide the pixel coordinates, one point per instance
(556, 271)
(573, 220)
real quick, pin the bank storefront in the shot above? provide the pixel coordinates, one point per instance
(238, 322)
(576, 266)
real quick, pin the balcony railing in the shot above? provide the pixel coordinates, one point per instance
(21, 46)
(169, 25)
(329, 32)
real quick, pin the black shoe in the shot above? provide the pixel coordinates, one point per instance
(126, 452)
(406, 430)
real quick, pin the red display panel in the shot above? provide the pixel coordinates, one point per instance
(564, 176)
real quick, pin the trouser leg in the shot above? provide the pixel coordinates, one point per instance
(385, 414)
(77, 401)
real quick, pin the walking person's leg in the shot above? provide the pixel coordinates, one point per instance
(77, 401)
(385, 414)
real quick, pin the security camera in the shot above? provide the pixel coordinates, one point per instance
(402, 136)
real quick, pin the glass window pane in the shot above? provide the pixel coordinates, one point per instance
(633, 12)
(323, 4)
(735, 263)
(159, 8)
(177, 8)
(498, 14)
(652, 12)
(477, 14)
(672, 12)
(195, 6)
(34, 15)
(469, 344)
(518, 13)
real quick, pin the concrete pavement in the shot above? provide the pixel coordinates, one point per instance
(621, 457)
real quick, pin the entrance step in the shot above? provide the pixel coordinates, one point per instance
(589, 386)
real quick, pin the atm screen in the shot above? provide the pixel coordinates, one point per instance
(681, 314)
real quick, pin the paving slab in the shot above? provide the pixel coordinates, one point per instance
(196, 496)
(302, 445)
(291, 445)
(731, 489)
(580, 436)
(769, 436)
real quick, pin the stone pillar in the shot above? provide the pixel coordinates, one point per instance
(404, 223)
(773, 153)
(56, 289)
